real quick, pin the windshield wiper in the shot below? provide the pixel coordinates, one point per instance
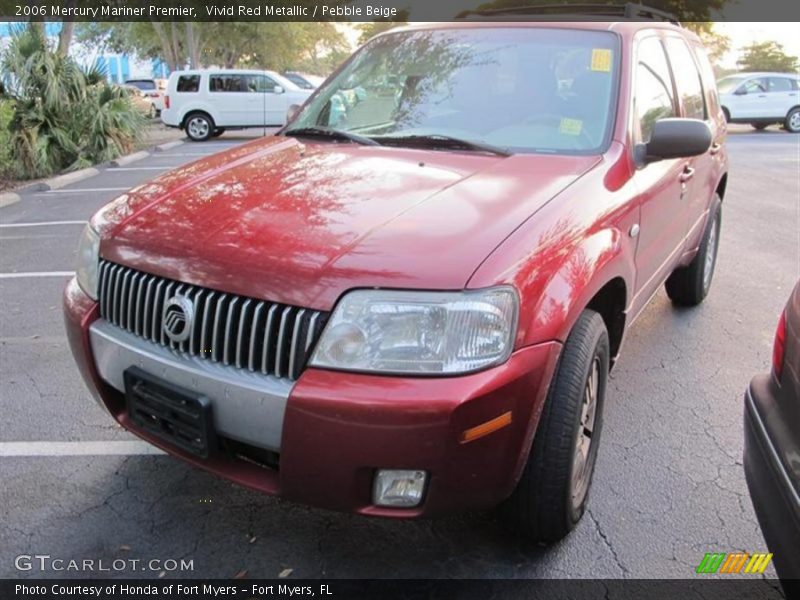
(331, 133)
(447, 141)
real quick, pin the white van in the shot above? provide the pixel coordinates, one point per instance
(205, 103)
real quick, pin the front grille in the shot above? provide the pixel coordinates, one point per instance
(260, 336)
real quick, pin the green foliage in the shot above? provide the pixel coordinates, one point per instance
(315, 47)
(767, 56)
(370, 29)
(6, 111)
(63, 117)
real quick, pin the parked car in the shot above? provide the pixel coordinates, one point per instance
(140, 101)
(303, 80)
(153, 90)
(415, 311)
(205, 103)
(772, 445)
(762, 99)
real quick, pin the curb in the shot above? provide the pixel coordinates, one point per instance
(8, 198)
(66, 179)
(126, 160)
(168, 146)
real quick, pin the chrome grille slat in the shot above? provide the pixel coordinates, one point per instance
(267, 337)
(237, 331)
(216, 349)
(253, 335)
(240, 339)
(281, 336)
(293, 358)
(226, 354)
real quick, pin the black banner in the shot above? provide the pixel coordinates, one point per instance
(395, 10)
(733, 588)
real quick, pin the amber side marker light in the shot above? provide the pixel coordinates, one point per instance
(483, 429)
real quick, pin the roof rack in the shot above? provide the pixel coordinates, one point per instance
(629, 10)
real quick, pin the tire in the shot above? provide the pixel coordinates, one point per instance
(689, 285)
(759, 126)
(152, 113)
(218, 132)
(199, 126)
(792, 122)
(551, 497)
(727, 114)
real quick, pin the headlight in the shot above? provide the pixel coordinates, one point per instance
(424, 333)
(88, 261)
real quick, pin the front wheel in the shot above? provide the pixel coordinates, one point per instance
(792, 122)
(552, 493)
(199, 127)
(689, 285)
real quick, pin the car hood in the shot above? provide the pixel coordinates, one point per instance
(301, 223)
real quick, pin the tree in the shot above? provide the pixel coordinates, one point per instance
(767, 56)
(717, 44)
(371, 29)
(688, 12)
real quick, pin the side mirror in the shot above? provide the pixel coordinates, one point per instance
(292, 111)
(278, 89)
(742, 91)
(675, 138)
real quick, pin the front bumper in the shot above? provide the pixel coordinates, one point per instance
(330, 431)
(775, 499)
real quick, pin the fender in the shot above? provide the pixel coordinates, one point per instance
(594, 262)
(195, 107)
(566, 253)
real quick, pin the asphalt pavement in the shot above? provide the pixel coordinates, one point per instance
(669, 485)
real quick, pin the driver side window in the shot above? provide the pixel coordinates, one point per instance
(754, 86)
(653, 96)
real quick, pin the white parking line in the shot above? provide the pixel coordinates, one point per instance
(84, 190)
(42, 224)
(163, 168)
(38, 274)
(120, 448)
(185, 154)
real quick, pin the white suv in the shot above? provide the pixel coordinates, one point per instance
(761, 99)
(206, 103)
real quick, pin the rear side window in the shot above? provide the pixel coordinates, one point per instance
(653, 97)
(781, 84)
(687, 78)
(188, 83)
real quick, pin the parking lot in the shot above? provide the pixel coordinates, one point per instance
(669, 484)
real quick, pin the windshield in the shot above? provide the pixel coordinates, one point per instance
(143, 85)
(299, 81)
(521, 89)
(728, 84)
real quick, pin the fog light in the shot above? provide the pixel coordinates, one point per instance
(400, 489)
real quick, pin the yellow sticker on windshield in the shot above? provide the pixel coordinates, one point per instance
(570, 126)
(601, 59)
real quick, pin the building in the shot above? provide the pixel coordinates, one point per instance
(118, 67)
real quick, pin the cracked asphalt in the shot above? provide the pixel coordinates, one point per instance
(669, 484)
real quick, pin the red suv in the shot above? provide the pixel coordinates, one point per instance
(410, 303)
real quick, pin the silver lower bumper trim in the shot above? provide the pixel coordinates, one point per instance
(248, 407)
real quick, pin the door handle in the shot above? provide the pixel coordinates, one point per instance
(688, 173)
(715, 148)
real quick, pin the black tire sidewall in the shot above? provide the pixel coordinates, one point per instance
(714, 223)
(602, 351)
(787, 123)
